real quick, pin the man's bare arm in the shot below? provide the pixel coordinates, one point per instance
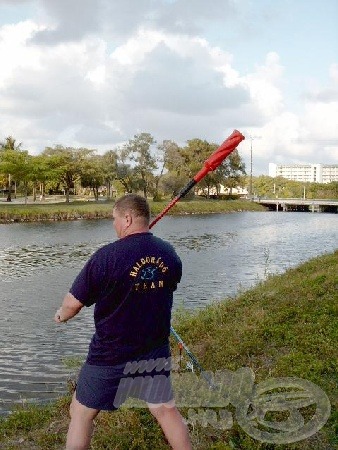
(69, 308)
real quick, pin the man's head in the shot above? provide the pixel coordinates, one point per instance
(131, 214)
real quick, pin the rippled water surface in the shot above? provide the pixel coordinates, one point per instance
(221, 254)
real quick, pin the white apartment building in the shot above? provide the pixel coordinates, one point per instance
(318, 173)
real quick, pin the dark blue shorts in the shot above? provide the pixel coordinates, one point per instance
(108, 387)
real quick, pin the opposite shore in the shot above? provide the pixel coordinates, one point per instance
(77, 210)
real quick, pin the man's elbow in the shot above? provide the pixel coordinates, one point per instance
(71, 306)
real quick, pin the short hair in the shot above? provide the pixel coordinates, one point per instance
(136, 204)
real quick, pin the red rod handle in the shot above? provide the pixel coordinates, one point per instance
(210, 164)
(220, 154)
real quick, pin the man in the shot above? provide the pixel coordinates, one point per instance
(131, 282)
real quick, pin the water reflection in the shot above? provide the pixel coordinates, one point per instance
(17, 262)
(32, 354)
(202, 242)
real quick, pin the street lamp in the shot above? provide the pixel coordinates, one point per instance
(251, 139)
(251, 168)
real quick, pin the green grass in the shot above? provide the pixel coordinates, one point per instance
(54, 212)
(95, 210)
(284, 327)
(207, 206)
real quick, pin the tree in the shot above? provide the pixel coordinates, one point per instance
(166, 152)
(264, 186)
(8, 152)
(171, 183)
(40, 174)
(333, 189)
(9, 144)
(93, 173)
(110, 170)
(145, 162)
(64, 165)
(234, 170)
(194, 155)
(173, 158)
(174, 162)
(17, 164)
(124, 172)
(22, 172)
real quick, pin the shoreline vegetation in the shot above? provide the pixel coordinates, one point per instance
(77, 210)
(286, 326)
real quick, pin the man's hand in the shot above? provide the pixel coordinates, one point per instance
(58, 316)
(70, 307)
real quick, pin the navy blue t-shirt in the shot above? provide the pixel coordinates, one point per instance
(131, 282)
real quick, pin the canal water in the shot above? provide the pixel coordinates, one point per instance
(222, 255)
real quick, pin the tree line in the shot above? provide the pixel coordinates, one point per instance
(140, 165)
(279, 187)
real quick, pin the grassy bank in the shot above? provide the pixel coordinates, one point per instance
(284, 327)
(10, 213)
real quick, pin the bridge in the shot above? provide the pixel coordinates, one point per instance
(299, 204)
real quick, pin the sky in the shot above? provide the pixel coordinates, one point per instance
(94, 73)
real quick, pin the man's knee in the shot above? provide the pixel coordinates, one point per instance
(77, 410)
(162, 409)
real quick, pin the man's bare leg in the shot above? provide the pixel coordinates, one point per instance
(172, 425)
(81, 426)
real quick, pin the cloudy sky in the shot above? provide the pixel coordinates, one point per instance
(93, 73)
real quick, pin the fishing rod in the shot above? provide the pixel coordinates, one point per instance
(193, 358)
(209, 165)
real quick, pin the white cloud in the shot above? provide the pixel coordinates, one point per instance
(67, 21)
(263, 86)
(133, 51)
(71, 20)
(309, 135)
(14, 52)
(98, 84)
